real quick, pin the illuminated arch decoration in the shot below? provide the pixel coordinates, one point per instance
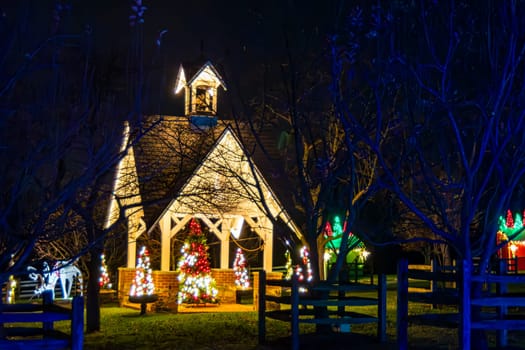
(511, 230)
(335, 231)
(357, 250)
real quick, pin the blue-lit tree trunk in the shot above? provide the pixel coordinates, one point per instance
(445, 79)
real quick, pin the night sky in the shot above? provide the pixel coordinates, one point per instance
(241, 37)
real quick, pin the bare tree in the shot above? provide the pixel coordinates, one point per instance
(448, 77)
(62, 135)
(331, 174)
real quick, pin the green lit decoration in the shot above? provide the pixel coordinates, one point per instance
(510, 239)
(289, 265)
(334, 232)
(512, 227)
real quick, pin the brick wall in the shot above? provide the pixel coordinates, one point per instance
(270, 290)
(225, 279)
(167, 287)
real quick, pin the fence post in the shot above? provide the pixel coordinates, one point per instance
(435, 269)
(47, 301)
(77, 323)
(381, 307)
(262, 307)
(402, 304)
(295, 312)
(464, 305)
(501, 289)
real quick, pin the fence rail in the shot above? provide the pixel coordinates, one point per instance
(321, 304)
(45, 336)
(487, 310)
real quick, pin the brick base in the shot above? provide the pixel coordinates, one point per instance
(167, 287)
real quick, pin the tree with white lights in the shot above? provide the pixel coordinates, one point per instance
(240, 270)
(196, 285)
(143, 283)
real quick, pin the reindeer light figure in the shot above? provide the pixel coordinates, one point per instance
(61, 271)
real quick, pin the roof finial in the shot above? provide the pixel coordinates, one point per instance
(202, 48)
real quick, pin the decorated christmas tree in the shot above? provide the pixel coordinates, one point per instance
(304, 270)
(240, 269)
(196, 286)
(142, 285)
(104, 281)
(288, 267)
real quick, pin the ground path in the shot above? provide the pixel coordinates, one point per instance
(216, 308)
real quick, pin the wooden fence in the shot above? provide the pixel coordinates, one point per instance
(301, 303)
(495, 305)
(441, 290)
(487, 310)
(14, 336)
(25, 289)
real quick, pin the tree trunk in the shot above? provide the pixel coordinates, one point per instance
(93, 288)
(479, 339)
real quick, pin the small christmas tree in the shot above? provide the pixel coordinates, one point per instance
(288, 267)
(196, 285)
(104, 281)
(306, 265)
(241, 271)
(142, 285)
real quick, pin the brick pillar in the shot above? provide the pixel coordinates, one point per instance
(273, 290)
(166, 287)
(225, 279)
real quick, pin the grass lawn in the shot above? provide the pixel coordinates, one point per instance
(124, 328)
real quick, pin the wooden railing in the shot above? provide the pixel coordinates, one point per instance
(45, 336)
(486, 310)
(441, 290)
(496, 304)
(320, 304)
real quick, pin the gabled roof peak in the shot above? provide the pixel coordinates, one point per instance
(200, 90)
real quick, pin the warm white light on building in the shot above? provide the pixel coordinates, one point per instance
(237, 227)
(513, 249)
(327, 255)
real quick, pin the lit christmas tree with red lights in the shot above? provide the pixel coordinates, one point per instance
(240, 270)
(104, 281)
(306, 267)
(196, 286)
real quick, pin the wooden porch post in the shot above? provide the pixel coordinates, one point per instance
(268, 244)
(225, 243)
(165, 245)
(132, 248)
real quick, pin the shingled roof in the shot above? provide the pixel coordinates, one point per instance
(169, 153)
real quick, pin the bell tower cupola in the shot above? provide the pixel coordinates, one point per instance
(200, 102)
